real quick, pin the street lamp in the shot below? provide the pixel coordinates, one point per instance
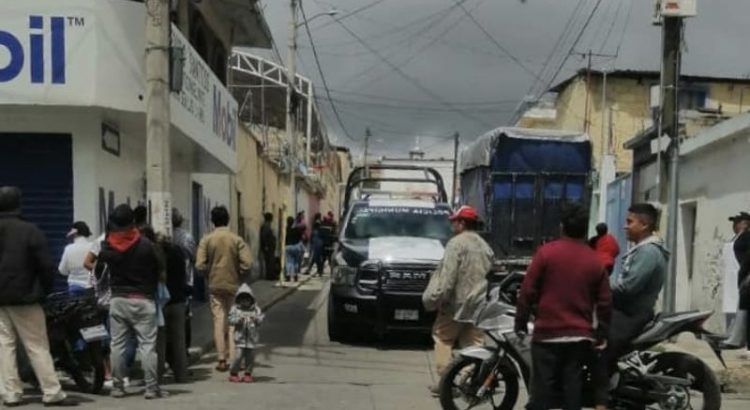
(331, 13)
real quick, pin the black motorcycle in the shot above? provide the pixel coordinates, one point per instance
(488, 376)
(76, 335)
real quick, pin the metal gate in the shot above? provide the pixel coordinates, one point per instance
(41, 165)
(619, 197)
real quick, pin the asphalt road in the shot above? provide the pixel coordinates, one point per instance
(299, 368)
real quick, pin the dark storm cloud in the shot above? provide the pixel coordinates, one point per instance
(451, 57)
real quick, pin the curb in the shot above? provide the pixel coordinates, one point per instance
(265, 307)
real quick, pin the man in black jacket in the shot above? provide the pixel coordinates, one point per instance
(134, 275)
(26, 275)
(268, 246)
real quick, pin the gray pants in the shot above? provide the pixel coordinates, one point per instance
(137, 317)
(171, 342)
(240, 354)
(738, 332)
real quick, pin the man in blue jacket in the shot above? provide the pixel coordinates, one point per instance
(635, 290)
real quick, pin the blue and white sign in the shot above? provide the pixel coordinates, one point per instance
(204, 104)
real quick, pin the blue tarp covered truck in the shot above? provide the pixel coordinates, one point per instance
(518, 179)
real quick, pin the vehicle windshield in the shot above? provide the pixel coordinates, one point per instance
(374, 222)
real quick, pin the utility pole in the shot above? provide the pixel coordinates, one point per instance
(368, 134)
(158, 166)
(291, 106)
(588, 91)
(455, 168)
(672, 56)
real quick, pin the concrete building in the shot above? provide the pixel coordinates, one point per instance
(72, 124)
(713, 186)
(578, 103)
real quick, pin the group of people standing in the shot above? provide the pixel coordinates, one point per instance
(319, 240)
(583, 314)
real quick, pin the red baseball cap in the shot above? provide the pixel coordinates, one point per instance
(465, 213)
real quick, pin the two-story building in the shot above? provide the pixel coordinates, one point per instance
(72, 122)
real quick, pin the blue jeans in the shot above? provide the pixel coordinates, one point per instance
(294, 254)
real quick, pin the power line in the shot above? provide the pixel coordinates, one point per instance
(410, 108)
(416, 54)
(423, 102)
(494, 41)
(322, 76)
(624, 29)
(565, 33)
(611, 27)
(431, 23)
(411, 80)
(567, 56)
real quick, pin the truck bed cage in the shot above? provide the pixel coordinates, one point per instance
(359, 178)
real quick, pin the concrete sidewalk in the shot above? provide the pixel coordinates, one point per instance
(734, 379)
(268, 293)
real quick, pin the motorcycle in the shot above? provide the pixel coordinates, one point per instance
(489, 376)
(76, 335)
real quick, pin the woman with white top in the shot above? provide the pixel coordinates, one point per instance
(71, 264)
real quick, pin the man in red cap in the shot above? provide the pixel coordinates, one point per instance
(463, 270)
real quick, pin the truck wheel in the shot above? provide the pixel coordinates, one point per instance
(336, 332)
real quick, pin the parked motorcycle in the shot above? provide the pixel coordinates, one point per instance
(489, 376)
(76, 335)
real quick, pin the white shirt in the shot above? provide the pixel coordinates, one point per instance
(96, 247)
(730, 266)
(71, 264)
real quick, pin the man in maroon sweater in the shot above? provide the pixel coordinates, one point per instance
(565, 287)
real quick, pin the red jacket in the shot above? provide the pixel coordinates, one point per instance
(607, 249)
(564, 287)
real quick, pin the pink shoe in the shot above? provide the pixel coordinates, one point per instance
(235, 378)
(248, 378)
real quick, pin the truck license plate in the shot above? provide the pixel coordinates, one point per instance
(406, 314)
(94, 333)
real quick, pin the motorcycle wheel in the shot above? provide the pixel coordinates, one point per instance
(703, 379)
(87, 368)
(459, 383)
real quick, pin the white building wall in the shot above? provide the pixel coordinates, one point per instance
(714, 183)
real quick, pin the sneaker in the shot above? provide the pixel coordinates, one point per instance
(126, 381)
(108, 384)
(434, 390)
(66, 402)
(156, 394)
(117, 393)
(222, 366)
(248, 378)
(234, 378)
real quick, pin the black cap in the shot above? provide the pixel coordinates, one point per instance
(80, 229)
(122, 217)
(742, 216)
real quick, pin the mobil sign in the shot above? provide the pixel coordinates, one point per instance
(34, 52)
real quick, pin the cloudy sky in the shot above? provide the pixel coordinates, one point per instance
(429, 68)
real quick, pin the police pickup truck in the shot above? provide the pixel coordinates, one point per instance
(389, 244)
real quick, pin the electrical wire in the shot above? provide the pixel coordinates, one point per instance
(421, 102)
(494, 41)
(322, 76)
(406, 77)
(413, 55)
(564, 60)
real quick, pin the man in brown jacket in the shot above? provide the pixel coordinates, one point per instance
(223, 258)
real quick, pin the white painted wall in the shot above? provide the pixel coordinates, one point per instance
(715, 181)
(123, 175)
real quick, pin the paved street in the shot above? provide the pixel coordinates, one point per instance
(300, 369)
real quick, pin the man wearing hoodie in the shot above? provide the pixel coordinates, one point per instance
(635, 290)
(223, 258)
(134, 274)
(26, 275)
